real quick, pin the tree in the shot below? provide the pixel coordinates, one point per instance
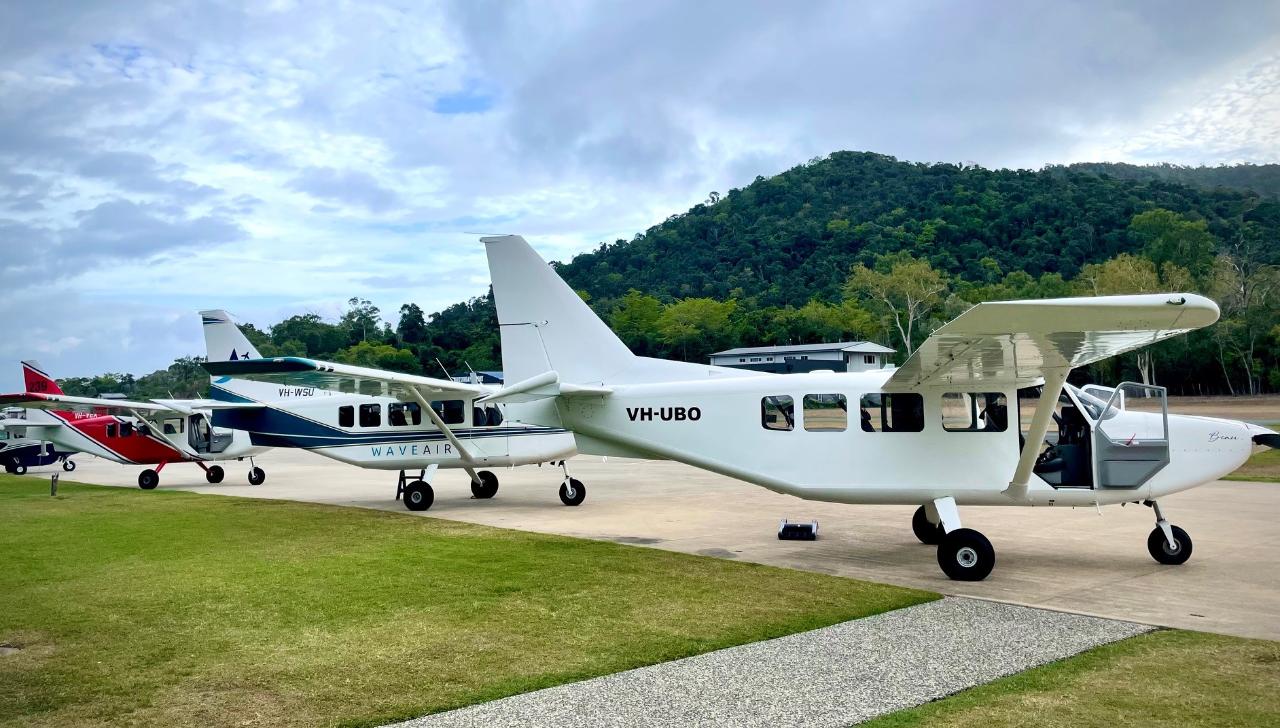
(904, 290)
(635, 321)
(361, 319)
(412, 327)
(380, 356)
(1167, 237)
(695, 321)
(1249, 296)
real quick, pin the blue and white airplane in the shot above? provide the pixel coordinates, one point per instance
(375, 419)
(18, 451)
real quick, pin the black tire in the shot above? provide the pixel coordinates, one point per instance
(927, 532)
(486, 486)
(257, 476)
(418, 496)
(8, 468)
(573, 492)
(966, 555)
(148, 479)
(1159, 549)
(68, 465)
(19, 469)
(214, 474)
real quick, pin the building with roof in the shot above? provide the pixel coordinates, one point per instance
(841, 356)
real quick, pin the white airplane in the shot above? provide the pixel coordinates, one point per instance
(156, 432)
(375, 419)
(935, 433)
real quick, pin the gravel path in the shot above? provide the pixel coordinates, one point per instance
(834, 676)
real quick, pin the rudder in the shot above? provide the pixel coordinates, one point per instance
(223, 340)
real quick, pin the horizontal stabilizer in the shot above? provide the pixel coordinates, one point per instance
(1016, 342)
(543, 386)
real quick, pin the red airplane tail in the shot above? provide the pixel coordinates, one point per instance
(37, 380)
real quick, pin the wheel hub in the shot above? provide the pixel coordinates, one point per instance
(967, 557)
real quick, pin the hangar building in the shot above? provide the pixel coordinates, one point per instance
(842, 356)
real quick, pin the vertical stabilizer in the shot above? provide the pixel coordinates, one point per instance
(37, 380)
(545, 324)
(223, 340)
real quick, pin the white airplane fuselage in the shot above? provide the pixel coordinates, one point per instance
(717, 424)
(333, 424)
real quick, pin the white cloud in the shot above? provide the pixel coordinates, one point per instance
(282, 157)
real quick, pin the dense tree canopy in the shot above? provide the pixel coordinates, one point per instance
(860, 245)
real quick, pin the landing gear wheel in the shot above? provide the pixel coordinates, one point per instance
(148, 479)
(68, 465)
(486, 486)
(928, 533)
(19, 470)
(257, 476)
(966, 555)
(418, 496)
(8, 468)
(214, 474)
(572, 492)
(1160, 550)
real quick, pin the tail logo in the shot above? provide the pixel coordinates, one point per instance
(238, 357)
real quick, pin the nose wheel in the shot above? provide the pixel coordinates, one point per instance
(572, 492)
(1167, 544)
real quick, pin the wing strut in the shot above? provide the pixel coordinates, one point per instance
(1054, 379)
(467, 460)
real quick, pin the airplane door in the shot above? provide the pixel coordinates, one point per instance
(1130, 435)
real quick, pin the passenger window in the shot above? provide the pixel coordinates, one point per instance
(900, 412)
(778, 413)
(493, 415)
(169, 429)
(347, 416)
(401, 414)
(126, 429)
(451, 411)
(974, 412)
(111, 430)
(826, 413)
(370, 415)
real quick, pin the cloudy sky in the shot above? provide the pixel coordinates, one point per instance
(282, 157)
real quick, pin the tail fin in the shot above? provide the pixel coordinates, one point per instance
(37, 380)
(545, 325)
(223, 340)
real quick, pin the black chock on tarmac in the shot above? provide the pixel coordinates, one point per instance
(797, 531)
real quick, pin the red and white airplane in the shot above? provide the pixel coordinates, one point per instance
(156, 432)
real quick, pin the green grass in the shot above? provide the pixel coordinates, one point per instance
(1263, 467)
(170, 608)
(1169, 678)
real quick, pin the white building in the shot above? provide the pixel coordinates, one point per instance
(843, 356)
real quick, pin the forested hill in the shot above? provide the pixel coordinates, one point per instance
(832, 249)
(1261, 178)
(790, 237)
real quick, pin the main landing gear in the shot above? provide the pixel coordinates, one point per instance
(1167, 544)
(149, 479)
(966, 555)
(419, 496)
(963, 553)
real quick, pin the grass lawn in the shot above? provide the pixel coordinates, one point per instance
(1263, 467)
(170, 608)
(1169, 678)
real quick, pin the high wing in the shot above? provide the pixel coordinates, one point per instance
(342, 377)
(123, 407)
(1018, 342)
(95, 405)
